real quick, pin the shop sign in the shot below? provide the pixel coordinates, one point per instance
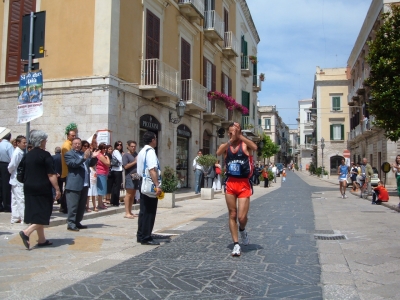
(149, 122)
(184, 131)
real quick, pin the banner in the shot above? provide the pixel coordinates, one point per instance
(30, 97)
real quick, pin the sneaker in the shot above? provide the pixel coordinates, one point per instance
(236, 250)
(245, 237)
(344, 196)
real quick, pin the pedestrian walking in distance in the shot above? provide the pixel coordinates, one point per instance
(238, 153)
(343, 171)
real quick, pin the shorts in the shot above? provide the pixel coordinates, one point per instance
(130, 183)
(240, 187)
(342, 179)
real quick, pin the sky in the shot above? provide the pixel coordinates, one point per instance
(296, 37)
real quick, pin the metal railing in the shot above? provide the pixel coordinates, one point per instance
(257, 82)
(193, 92)
(230, 41)
(361, 128)
(198, 4)
(245, 63)
(216, 107)
(212, 21)
(155, 73)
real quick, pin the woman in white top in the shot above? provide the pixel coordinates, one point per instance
(217, 179)
(396, 171)
(116, 173)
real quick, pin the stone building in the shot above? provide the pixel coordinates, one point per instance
(306, 139)
(123, 65)
(364, 139)
(332, 116)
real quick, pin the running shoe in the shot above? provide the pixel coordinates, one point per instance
(245, 237)
(344, 196)
(236, 250)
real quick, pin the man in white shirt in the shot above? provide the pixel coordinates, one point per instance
(198, 173)
(17, 188)
(148, 205)
(273, 169)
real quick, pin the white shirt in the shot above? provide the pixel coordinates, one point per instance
(16, 158)
(151, 159)
(273, 170)
(196, 166)
(6, 151)
(118, 156)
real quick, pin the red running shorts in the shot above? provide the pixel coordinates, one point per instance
(239, 187)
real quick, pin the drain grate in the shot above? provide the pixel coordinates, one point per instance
(329, 237)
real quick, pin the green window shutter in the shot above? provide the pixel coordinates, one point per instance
(254, 112)
(246, 100)
(259, 121)
(255, 74)
(342, 132)
(331, 127)
(335, 103)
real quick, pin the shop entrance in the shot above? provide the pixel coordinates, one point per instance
(148, 123)
(182, 156)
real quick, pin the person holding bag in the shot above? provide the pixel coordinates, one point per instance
(148, 168)
(265, 175)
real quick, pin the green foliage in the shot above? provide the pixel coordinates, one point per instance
(318, 171)
(270, 148)
(296, 167)
(311, 168)
(169, 180)
(71, 126)
(207, 160)
(270, 175)
(384, 80)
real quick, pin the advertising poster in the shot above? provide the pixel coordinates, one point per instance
(103, 136)
(30, 97)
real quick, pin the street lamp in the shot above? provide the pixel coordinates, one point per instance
(180, 111)
(322, 148)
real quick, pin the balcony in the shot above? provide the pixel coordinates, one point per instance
(230, 45)
(215, 111)
(195, 96)
(352, 96)
(362, 130)
(192, 9)
(231, 116)
(213, 26)
(245, 66)
(159, 80)
(247, 122)
(256, 83)
(306, 146)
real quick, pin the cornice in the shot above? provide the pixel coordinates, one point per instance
(249, 19)
(185, 23)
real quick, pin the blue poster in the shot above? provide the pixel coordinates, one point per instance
(30, 96)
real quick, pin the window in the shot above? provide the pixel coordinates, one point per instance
(336, 103)
(337, 132)
(267, 124)
(246, 100)
(226, 84)
(14, 65)
(309, 116)
(209, 75)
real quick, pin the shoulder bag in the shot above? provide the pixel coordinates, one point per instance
(148, 188)
(21, 170)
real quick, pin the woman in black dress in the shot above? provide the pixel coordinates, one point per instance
(39, 178)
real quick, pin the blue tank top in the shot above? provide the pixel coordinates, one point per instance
(343, 171)
(237, 164)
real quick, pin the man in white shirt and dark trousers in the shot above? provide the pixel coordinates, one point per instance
(17, 188)
(6, 151)
(198, 173)
(148, 205)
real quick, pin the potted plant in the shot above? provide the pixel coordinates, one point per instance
(262, 76)
(253, 59)
(169, 184)
(207, 161)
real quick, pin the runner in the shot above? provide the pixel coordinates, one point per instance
(343, 171)
(238, 153)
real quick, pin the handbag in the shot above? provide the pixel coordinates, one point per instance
(218, 170)
(135, 176)
(148, 188)
(21, 170)
(114, 162)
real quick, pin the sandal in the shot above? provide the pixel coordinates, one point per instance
(102, 207)
(46, 243)
(95, 209)
(88, 210)
(25, 239)
(129, 217)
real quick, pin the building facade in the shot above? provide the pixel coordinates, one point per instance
(364, 139)
(306, 139)
(332, 116)
(123, 65)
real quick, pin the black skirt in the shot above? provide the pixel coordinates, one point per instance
(38, 209)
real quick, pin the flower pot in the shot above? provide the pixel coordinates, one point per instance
(168, 201)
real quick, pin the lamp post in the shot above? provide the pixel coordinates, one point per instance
(322, 148)
(180, 111)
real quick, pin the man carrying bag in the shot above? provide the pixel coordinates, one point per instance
(148, 169)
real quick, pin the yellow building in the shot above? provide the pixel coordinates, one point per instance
(332, 116)
(123, 65)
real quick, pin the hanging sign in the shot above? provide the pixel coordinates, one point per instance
(30, 97)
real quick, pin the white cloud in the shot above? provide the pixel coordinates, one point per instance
(298, 35)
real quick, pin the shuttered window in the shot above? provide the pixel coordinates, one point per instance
(336, 103)
(267, 124)
(226, 84)
(152, 35)
(246, 100)
(209, 5)
(185, 69)
(14, 66)
(226, 20)
(337, 132)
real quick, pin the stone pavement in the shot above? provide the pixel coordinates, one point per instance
(283, 260)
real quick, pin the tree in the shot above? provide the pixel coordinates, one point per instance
(270, 148)
(384, 79)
